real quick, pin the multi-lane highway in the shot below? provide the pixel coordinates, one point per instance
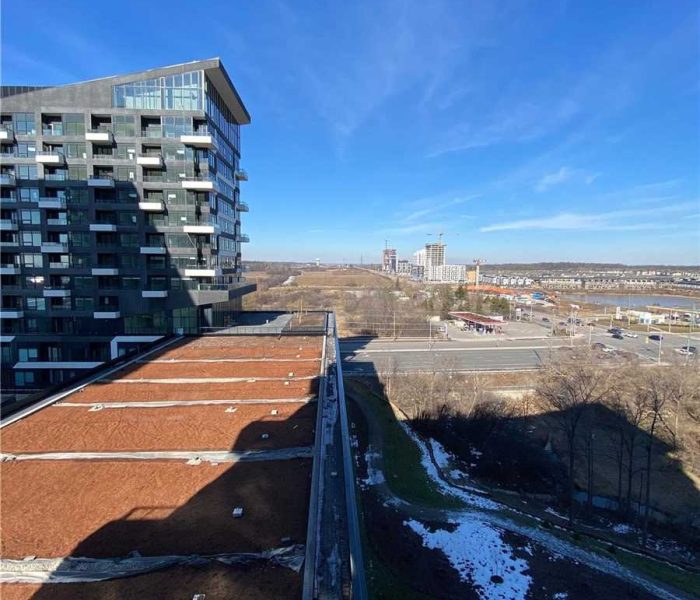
(366, 357)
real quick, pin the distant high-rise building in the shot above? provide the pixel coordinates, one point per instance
(419, 258)
(120, 217)
(403, 267)
(389, 260)
(434, 255)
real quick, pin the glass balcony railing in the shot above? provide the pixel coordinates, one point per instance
(52, 129)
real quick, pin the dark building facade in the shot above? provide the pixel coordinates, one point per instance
(120, 217)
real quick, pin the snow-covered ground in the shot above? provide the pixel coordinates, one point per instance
(477, 552)
(470, 499)
(374, 475)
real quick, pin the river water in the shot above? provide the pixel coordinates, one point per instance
(635, 300)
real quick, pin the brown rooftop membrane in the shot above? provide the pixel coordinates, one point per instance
(162, 370)
(240, 390)
(111, 508)
(76, 429)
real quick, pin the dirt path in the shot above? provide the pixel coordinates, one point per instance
(496, 517)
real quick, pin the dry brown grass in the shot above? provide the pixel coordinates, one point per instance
(353, 278)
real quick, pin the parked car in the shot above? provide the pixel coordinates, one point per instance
(687, 350)
(545, 320)
(608, 349)
(629, 334)
(656, 337)
(618, 336)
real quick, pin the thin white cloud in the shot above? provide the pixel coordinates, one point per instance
(608, 221)
(551, 179)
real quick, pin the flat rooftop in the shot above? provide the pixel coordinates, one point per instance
(152, 460)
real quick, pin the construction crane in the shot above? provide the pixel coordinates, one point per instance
(478, 262)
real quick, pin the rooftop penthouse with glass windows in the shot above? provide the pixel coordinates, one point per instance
(120, 217)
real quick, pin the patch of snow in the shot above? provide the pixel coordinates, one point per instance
(623, 528)
(551, 511)
(457, 474)
(477, 552)
(442, 456)
(445, 488)
(560, 596)
(475, 453)
(374, 475)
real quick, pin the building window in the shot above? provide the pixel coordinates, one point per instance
(27, 354)
(124, 125)
(29, 194)
(73, 124)
(26, 149)
(25, 171)
(183, 91)
(25, 123)
(24, 378)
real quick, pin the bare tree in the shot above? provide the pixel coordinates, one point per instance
(569, 389)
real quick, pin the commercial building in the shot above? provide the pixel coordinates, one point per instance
(389, 260)
(120, 216)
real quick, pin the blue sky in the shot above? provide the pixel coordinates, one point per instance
(525, 131)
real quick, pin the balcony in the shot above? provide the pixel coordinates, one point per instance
(50, 158)
(56, 203)
(106, 314)
(7, 180)
(198, 184)
(243, 237)
(99, 136)
(56, 292)
(154, 293)
(152, 206)
(63, 222)
(54, 247)
(243, 207)
(10, 269)
(154, 131)
(105, 271)
(8, 225)
(216, 272)
(241, 175)
(11, 313)
(50, 129)
(103, 227)
(101, 181)
(152, 250)
(7, 135)
(150, 161)
(9, 243)
(199, 229)
(198, 139)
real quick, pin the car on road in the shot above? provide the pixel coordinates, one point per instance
(590, 323)
(656, 337)
(614, 330)
(629, 334)
(618, 336)
(545, 320)
(687, 350)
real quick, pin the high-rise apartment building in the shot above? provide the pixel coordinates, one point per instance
(389, 260)
(120, 216)
(434, 255)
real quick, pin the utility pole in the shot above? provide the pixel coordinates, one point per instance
(394, 325)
